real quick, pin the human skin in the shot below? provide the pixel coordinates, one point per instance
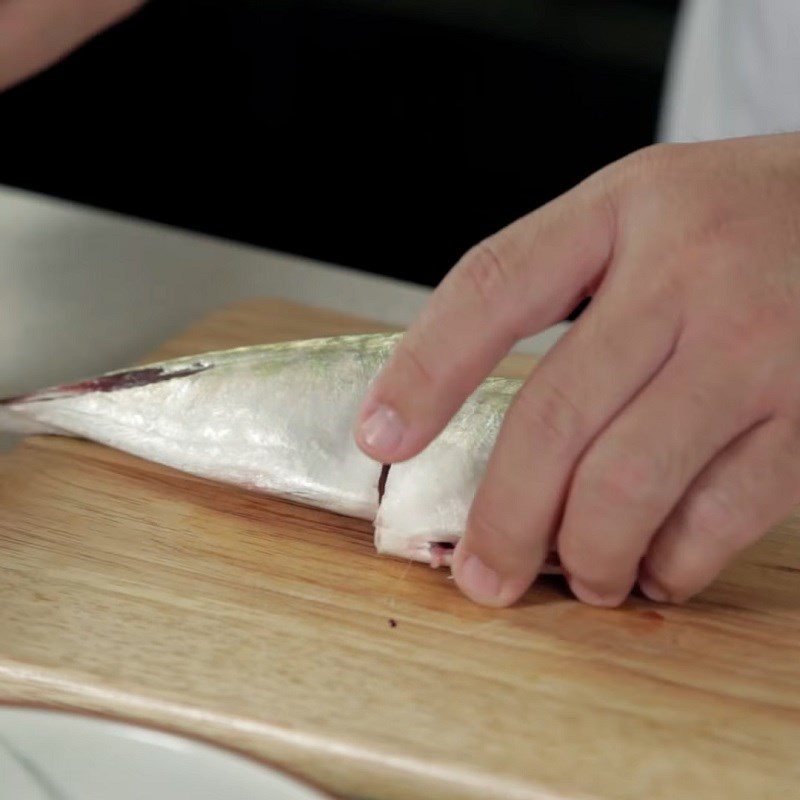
(36, 33)
(661, 435)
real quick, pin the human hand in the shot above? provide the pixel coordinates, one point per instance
(35, 33)
(661, 435)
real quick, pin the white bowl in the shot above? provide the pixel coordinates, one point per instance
(55, 755)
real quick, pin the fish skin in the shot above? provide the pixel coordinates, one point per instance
(427, 498)
(274, 418)
(279, 419)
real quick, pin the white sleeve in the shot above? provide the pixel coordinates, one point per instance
(734, 70)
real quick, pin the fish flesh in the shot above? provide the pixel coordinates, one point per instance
(279, 419)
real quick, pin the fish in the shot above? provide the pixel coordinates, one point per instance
(279, 419)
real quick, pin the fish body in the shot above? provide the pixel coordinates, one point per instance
(427, 498)
(279, 419)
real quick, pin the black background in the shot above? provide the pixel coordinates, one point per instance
(387, 136)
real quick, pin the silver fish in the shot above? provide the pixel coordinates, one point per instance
(279, 419)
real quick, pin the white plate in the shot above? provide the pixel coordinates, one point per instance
(53, 755)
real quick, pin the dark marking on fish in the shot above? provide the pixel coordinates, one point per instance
(392, 623)
(382, 481)
(130, 379)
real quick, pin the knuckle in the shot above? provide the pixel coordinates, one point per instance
(415, 362)
(675, 586)
(485, 527)
(549, 413)
(651, 162)
(495, 543)
(486, 272)
(711, 515)
(603, 561)
(646, 179)
(630, 479)
(591, 561)
(576, 558)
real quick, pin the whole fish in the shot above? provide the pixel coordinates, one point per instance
(279, 419)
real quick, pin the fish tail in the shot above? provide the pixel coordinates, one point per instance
(17, 413)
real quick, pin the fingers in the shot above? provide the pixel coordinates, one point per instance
(750, 486)
(633, 475)
(519, 281)
(36, 33)
(581, 384)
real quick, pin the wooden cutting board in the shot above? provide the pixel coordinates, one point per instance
(132, 590)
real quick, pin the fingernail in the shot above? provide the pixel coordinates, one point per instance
(653, 589)
(382, 431)
(592, 597)
(479, 582)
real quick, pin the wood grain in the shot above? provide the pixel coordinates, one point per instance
(131, 589)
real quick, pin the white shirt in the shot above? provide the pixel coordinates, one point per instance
(734, 70)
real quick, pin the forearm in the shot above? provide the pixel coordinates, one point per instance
(34, 34)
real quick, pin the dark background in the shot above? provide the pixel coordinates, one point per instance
(387, 136)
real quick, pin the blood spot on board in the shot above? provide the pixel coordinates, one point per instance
(392, 623)
(653, 616)
(640, 621)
